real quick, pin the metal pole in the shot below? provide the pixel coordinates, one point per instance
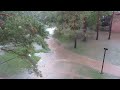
(103, 60)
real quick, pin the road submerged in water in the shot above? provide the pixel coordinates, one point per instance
(62, 63)
(59, 63)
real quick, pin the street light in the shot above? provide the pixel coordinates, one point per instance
(103, 60)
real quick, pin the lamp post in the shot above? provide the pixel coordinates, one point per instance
(103, 60)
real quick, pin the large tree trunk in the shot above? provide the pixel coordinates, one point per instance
(75, 42)
(75, 39)
(84, 29)
(111, 26)
(97, 27)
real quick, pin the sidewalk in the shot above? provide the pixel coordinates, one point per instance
(69, 56)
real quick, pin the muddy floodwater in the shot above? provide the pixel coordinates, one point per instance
(95, 48)
(62, 63)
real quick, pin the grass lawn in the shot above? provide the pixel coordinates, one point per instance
(14, 66)
(95, 49)
(82, 49)
(83, 71)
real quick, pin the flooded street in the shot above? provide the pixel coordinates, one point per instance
(62, 55)
(95, 48)
(62, 63)
(59, 45)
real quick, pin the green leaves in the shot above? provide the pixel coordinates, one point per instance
(92, 19)
(22, 30)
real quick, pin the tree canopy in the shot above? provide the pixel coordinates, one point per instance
(20, 32)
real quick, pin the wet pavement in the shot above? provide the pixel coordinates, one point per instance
(61, 63)
(60, 54)
(95, 48)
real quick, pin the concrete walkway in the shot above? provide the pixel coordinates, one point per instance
(60, 54)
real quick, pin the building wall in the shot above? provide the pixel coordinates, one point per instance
(116, 23)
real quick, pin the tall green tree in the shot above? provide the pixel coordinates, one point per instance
(21, 31)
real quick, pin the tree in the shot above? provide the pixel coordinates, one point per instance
(64, 21)
(84, 28)
(47, 17)
(111, 21)
(21, 31)
(69, 19)
(97, 26)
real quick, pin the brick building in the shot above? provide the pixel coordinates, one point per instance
(116, 23)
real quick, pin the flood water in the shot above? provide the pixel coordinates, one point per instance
(95, 48)
(61, 63)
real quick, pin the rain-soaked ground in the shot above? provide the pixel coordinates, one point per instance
(61, 63)
(95, 48)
